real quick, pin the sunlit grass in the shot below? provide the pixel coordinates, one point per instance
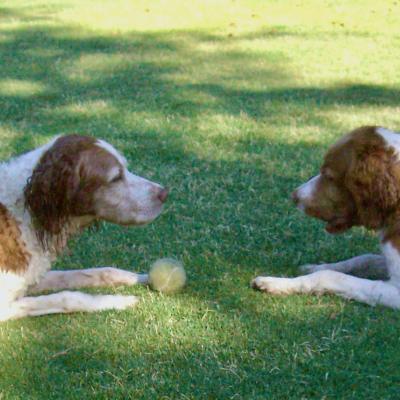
(20, 88)
(230, 103)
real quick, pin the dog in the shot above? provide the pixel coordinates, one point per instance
(358, 185)
(46, 196)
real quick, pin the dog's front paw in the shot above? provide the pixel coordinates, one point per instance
(117, 302)
(272, 285)
(126, 302)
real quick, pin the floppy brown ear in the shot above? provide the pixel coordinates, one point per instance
(373, 180)
(49, 191)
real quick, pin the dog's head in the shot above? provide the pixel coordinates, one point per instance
(80, 176)
(358, 184)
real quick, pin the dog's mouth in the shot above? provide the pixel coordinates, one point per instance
(334, 224)
(337, 225)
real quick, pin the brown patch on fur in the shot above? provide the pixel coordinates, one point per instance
(13, 254)
(62, 186)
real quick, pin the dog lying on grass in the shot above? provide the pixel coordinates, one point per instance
(358, 184)
(54, 192)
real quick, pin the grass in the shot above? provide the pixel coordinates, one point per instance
(232, 104)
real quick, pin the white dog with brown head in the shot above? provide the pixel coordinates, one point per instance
(54, 192)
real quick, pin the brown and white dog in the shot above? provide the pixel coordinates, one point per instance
(358, 184)
(46, 196)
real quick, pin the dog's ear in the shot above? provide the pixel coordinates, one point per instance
(50, 189)
(50, 192)
(373, 180)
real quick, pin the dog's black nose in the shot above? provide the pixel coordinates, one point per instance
(163, 194)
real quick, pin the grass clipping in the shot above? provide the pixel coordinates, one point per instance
(167, 275)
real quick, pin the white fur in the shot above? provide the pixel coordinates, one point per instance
(306, 190)
(113, 173)
(65, 302)
(347, 286)
(134, 202)
(391, 138)
(131, 200)
(13, 177)
(92, 277)
(333, 278)
(392, 258)
(107, 146)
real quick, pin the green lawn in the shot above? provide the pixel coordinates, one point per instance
(230, 103)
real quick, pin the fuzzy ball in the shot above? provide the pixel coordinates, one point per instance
(167, 275)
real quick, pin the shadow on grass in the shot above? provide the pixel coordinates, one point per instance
(227, 217)
(143, 72)
(273, 353)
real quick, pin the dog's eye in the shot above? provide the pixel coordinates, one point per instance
(117, 178)
(328, 175)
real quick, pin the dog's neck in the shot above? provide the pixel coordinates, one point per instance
(57, 244)
(14, 175)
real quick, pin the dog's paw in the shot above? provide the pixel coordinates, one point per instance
(272, 285)
(119, 302)
(127, 302)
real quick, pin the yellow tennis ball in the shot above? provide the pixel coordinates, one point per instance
(167, 275)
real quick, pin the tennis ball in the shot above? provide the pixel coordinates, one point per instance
(167, 275)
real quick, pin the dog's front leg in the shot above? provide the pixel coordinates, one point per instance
(65, 302)
(347, 286)
(92, 277)
(364, 266)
